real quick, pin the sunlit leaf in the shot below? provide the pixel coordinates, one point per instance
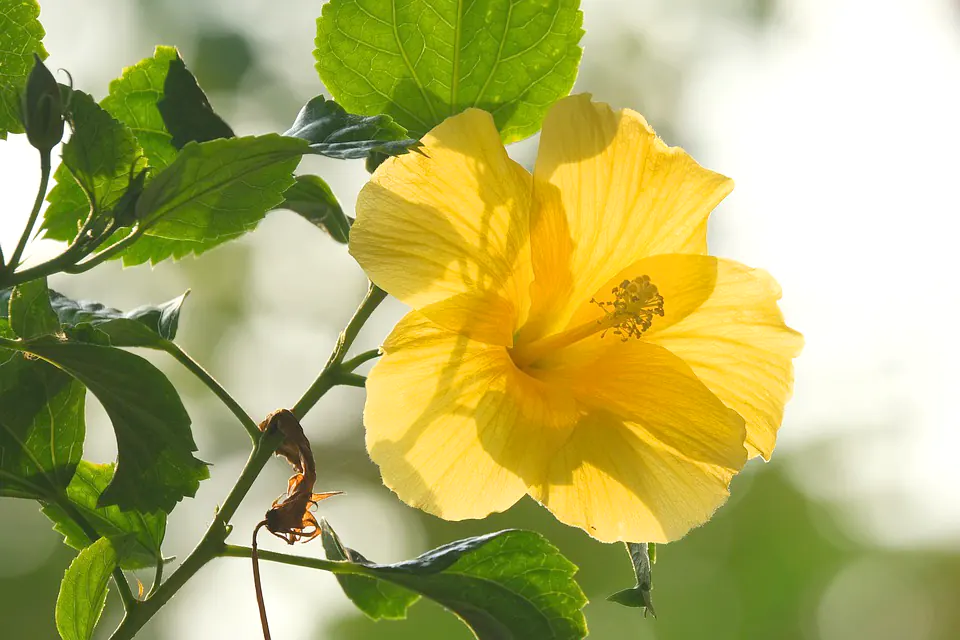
(30, 312)
(21, 35)
(313, 199)
(421, 61)
(143, 532)
(100, 159)
(83, 591)
(145, 326)
(213, 192)
(186, 111)
(333, 132)
(505, 586)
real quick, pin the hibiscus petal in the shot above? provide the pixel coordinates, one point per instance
(451, 222)
(738, 345)
(645, 384)
(456, 429)
(608, 192)
(617, 482)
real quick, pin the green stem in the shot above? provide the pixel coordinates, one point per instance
(354, 362)
(194, 367)
(333, 370)
(333, 566)
(107, 253)
(35, 212)
(210, 546)
(123, 587)
(352, 380)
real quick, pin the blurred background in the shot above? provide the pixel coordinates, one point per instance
(838, 120)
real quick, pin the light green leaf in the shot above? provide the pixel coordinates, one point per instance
(133, 99)
(186, 111)
(213, 192)
(642, 556)
(376, 598)
(30, 312)
(144, 532)
(98, 163)
(83, 591)
(155, 463)
(421, 61)
(313, 199)
(509, 585)
(333, 132)
(21, 35)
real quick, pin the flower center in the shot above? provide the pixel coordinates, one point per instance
(630, 313)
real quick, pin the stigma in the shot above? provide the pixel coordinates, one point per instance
(631, 311)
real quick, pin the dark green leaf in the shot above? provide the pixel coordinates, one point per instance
(186, 111)
(143, 531)
(312, 198)
(376, 598)
(642, 556)
(155, 463)
(146, 326)
(21, 36)
(41, 426)
(213, 192)
(333, 132)
(510, 585)
(83, 591)
(421, 61)
(133, 101)
(30, 312)
(98, 163)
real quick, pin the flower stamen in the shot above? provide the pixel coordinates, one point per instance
(628, 315)
(631, 312)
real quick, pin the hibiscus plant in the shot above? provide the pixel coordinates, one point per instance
(569, 337)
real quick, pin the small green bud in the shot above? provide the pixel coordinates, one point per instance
(42, 108)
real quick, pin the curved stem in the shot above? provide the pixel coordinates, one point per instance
(35, 212)
(107, 253)
(157, 578)
(333, 566)
(194, 367)
(352, 379)
(256, 582)
(328, 378)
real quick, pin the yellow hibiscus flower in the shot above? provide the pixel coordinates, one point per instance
(570, 339)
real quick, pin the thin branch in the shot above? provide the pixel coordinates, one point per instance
(35, 212)
(354, 362)
(194, 367)
(256, 582)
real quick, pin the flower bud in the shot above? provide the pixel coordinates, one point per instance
(42, 108)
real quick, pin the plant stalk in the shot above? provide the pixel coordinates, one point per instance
(34, 213)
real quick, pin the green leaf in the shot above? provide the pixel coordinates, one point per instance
(41, 426)
(313, 199)
(30, 312)
(92, 322)
(642, 556)
(509, 585)
(144, 532)
(333, 132)
(376, 598)
(421, 61)
(98, 163)
(133, 99)
(155, 463)
(21, 35)
(186, 111)
(213, 192)
(83, 591)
